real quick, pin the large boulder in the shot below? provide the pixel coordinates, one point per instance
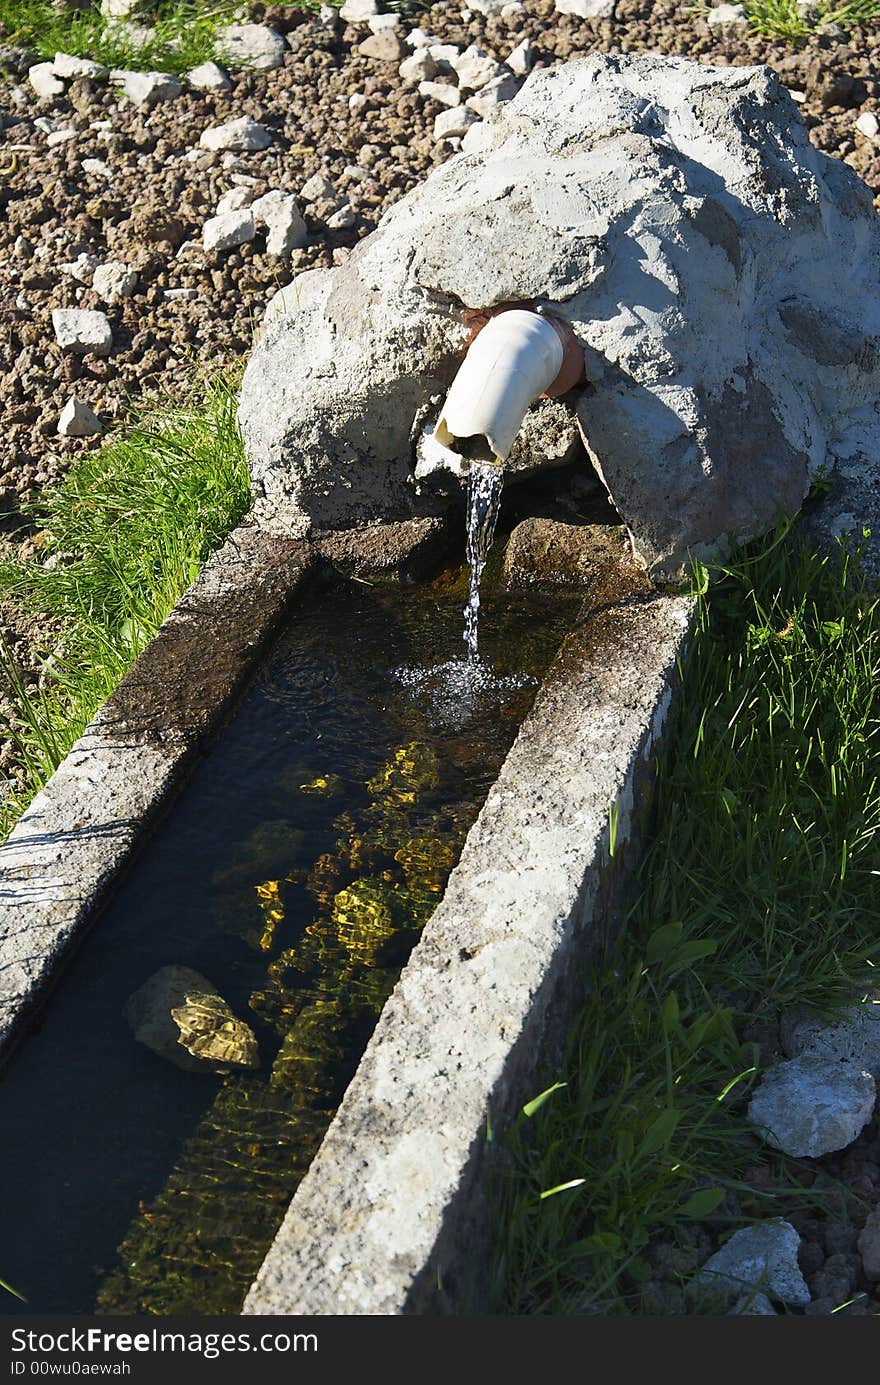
(722, 276)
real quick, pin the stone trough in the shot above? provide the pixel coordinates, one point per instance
(677, 217)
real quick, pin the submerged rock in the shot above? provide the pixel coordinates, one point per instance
(678, 217)
(547, 553)
(181, 1016)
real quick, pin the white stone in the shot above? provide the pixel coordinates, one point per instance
(253, 46)
(279, 213)
(799, 97)
(521, 58)
(475, 67)
(418, 67)
(180, 295)
(65, 65)
(417, 38)
(445, 55)
(82, 330)
(727, 17)
(241, 135)
(512, 10)
(356, 102)
(586, 9)
(77, 420)
(114, 280)
(762, 1257)
(501, 89)
(149, 88)
(98, 168)
(45, 124)
(811, 1106)
(358, 11)
(119, 9)
(486, 6)
(44, 82)
(234, 200)
(453, 122)
(208, 77)
(343, 219)
(81, 269)
(226, 231)
(378, 22)
(478, 137)
(317, 189)
(440, 91)
(59, 137)
(868, 125)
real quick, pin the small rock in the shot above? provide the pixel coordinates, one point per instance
(78, 420)
(808, 1106)
(762, 1257)
(251, 45)
(98, 167)
(243, 135)
(475, 68)
(329, 16)
(385, 47)
(82, 330)
(180, 295)
(753, 1306)
(44, 82)
(358, 11)
(59, 137)
(869, 1246)
(231, 229)
(486, 6)
(440, 91)
(453, 122)
(494, 94)
(417, 38)
(445, 55)
(835, 1279)
(45, 124)
(317, 188)
(278, 212)
(586, 9)
(548, 553)
(727, 17)
(342, 220)
(149, 88)
(81, 269)
(854, 1037)
(234, 200)
(521, 59)
(378, 22)
(114, 280)
(119, 9)
(180, 1016)
(65, 65)
(356, 101)
(868, 125)
(208, 77)
(512, 11)
(418, 67)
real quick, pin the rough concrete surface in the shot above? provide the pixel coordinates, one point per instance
(679, 218)
(81, 828)
(394, 1196)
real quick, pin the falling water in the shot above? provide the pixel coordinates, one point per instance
(484, 486)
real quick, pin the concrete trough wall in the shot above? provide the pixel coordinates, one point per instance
(393, 1204)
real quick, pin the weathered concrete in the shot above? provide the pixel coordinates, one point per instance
(678, 217)
(77, 834)
(394, 1198)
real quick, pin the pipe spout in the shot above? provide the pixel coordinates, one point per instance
(517, 356)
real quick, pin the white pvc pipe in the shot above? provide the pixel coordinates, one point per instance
(513, 359)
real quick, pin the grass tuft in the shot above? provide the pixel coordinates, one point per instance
(121, 536)
(183, 32)
(780, 18)
(759, 889)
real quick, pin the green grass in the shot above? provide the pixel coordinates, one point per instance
(183, 36)
(121, 537)
(760, 889)
(780, 19)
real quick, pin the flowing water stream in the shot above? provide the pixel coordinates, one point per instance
(485, 484)
(296, 872)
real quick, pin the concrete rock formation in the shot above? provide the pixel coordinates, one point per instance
(678, 217)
